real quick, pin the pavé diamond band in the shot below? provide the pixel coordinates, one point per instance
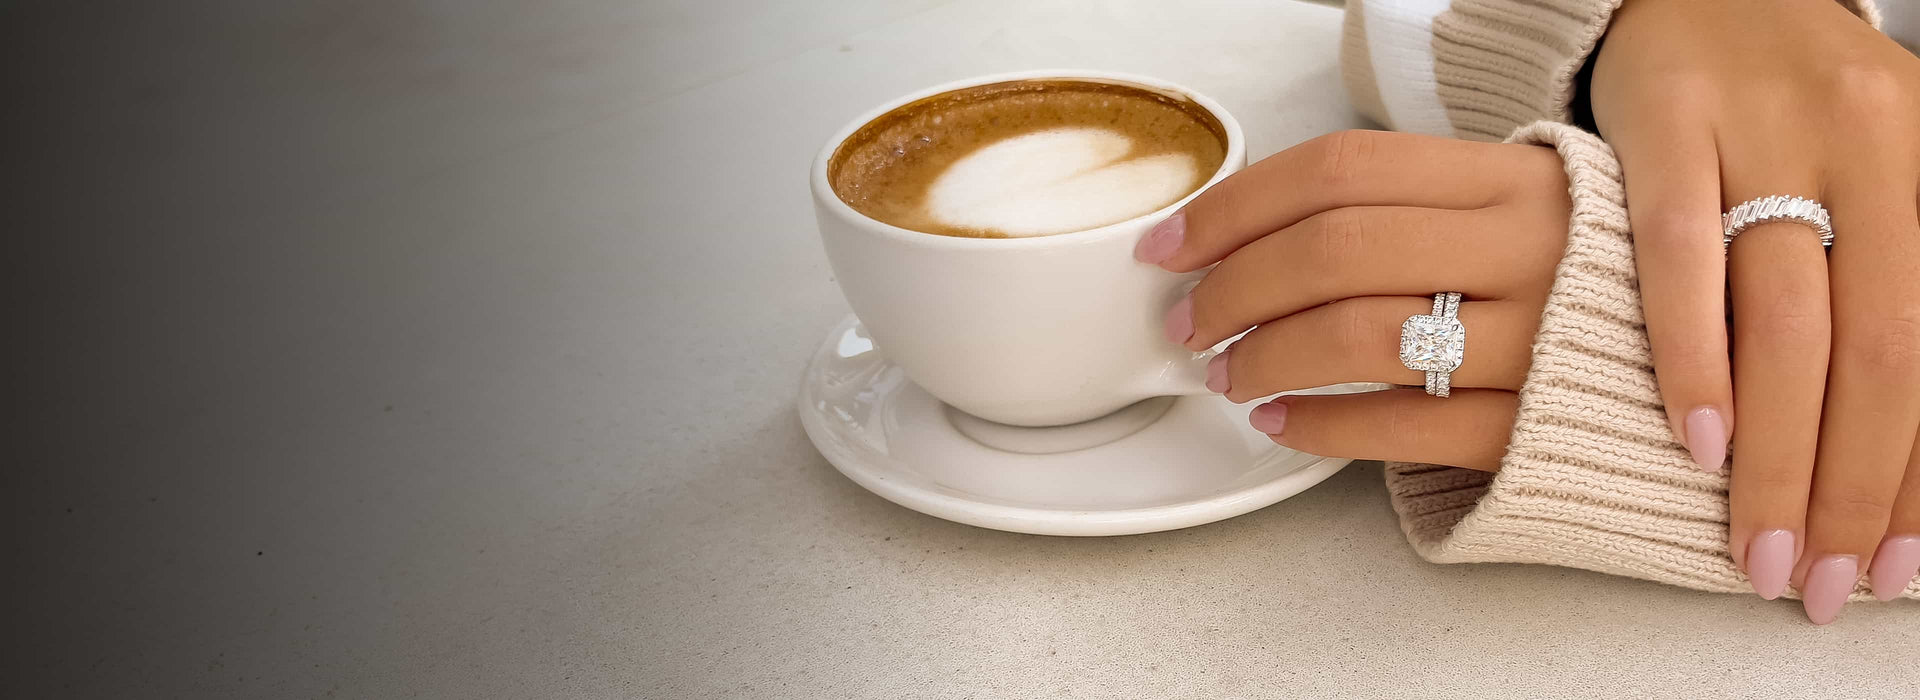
(1435, 343)
(1778, 208)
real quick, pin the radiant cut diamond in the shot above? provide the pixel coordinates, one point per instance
(1432, 343)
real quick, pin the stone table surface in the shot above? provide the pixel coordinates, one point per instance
(385, 349)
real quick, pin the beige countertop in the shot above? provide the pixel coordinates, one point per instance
(449, 349)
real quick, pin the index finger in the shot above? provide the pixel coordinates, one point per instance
(1342, 169)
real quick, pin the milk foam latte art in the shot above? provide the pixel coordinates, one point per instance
(1028, 158)
(1022, 311)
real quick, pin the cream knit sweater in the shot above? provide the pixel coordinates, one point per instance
(1592, 478)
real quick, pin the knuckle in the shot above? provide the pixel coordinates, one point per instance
(1679, 358)
(1890, 349)
(1690, 367)
(1340, 238)
(1851, 508)
(1773, 482)
(1685, 364)
(1345, 156)
(1353, 331)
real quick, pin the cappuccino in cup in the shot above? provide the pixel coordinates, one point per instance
(983, 233)
(1028, 158)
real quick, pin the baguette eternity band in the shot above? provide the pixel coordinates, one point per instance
(1778, 208)
(1435, 343)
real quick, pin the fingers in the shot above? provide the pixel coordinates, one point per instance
(1363, 251)
(1873, 388)
(1405, 425)
(1674, 200)
(1358, 340)
(1898, 559)
(1781, 338)
(1343, 169)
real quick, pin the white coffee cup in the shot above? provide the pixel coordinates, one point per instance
(1041, 331)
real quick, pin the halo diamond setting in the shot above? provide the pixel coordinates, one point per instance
(1435, 343)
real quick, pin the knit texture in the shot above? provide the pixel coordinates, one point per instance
(1592, 478)
(1503, 63)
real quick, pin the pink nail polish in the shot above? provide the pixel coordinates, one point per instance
(1769, 562)
(1895, 566)
(1707, 438)
(1217, 374)
(1269, 418)
(1180, 321)
(1163, 241)
(1829, 581)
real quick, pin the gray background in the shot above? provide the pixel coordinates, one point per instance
(447, 349)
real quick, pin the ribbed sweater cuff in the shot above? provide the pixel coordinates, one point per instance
(1500, 63)
(1592, 478)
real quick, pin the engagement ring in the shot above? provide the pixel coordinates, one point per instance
(1435, 343)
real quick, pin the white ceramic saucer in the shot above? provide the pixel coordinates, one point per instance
(1197, 463)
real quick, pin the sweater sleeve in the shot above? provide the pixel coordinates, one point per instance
(1592, 478)
(1476, 69)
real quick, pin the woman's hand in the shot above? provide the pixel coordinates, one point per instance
(1325, 249)
(1710, 104)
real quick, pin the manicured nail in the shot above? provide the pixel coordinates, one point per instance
(1895, 566)
(1180, 321)
(1769, 562)
(1269, 418)
(1217, 374)
(1829, 582)
(1163, 241)
(1707, 438)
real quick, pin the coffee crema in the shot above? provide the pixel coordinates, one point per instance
(1027, 158)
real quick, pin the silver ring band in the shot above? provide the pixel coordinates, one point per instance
(1775, 209)
(1435, 343)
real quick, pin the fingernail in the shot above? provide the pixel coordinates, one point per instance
(1707, 438)
(1269, 418)
(1829, 582)
(1770, 562)
(1895, 566)
(1180, 321)
(1217, 374)
(1163, 241)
